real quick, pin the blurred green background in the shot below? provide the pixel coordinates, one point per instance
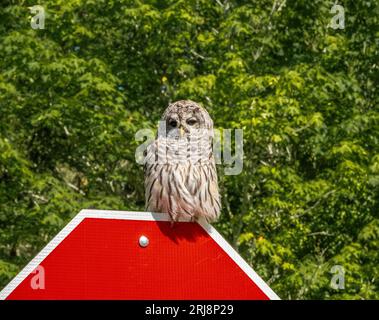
(73, 95)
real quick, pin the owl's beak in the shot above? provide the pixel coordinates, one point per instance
(181, 132)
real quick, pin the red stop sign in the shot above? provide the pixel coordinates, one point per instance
(137, 255)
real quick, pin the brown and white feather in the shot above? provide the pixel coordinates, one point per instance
(180, 172)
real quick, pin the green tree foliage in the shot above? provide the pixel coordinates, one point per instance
(73, 95)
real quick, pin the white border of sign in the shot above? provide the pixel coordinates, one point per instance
(132, 215)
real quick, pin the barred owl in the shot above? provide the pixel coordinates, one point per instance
(180, 170)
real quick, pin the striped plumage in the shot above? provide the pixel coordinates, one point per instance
(180, 171)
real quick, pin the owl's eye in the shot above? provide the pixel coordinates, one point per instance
(172, 123)
(191, 122)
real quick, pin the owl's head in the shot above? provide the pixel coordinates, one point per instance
(185, 117)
